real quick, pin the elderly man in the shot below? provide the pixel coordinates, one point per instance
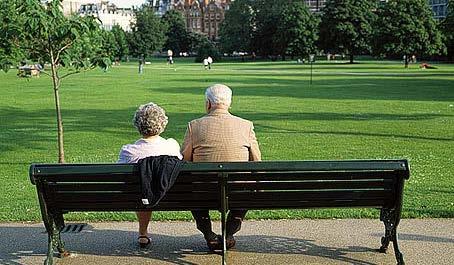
(220, 137)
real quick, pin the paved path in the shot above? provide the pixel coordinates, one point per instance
(427, 241)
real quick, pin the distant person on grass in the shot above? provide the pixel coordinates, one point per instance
(219, 137)
(169, 57)
(150, 120)
(210, 62)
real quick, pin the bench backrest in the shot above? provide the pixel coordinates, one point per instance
(248, 185)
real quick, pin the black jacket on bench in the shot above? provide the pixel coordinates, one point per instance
(158, 174)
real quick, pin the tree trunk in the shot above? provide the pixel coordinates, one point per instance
(351, 58)
(56, 85)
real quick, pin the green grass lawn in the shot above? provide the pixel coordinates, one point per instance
(372, 110)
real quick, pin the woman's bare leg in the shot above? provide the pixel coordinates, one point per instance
(144, 220)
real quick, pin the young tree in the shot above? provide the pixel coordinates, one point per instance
(121, 44)
(448, 30)
(147, 33)
(40, 32)
(236, 30)
(407, 27)
(346, 26)
(297, 30)
(176, 33)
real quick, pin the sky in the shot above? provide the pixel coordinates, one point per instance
(127, 3)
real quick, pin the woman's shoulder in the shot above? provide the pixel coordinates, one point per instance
(132, 146)
(173, 147)
(172, 142)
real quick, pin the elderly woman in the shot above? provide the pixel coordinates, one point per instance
(150, 120)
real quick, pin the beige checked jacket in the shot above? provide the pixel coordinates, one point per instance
(220, 137)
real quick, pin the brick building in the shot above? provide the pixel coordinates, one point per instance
(202, 16)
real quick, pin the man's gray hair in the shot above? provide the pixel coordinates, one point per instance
(219, 94)
(150, 119)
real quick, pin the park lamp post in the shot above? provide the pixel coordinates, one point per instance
(311, 60)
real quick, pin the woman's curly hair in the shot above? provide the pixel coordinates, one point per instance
(150, 119)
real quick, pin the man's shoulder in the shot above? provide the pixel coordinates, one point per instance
(230, 118)
(241, 120)
(197, 121)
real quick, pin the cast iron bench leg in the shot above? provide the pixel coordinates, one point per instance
(399, 255)
(54, 226)
(59, 244)
(50, 251)
(61, 247)
(223, 217)
(224, 246)
(390, 219)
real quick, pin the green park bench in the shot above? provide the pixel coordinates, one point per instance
(64, 188)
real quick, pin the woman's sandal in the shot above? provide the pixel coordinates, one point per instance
(144, 245)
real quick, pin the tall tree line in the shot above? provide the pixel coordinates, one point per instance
(269, 28)
(351, 27)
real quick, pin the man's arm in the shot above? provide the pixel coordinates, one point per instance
(186, 148)
(254, 150)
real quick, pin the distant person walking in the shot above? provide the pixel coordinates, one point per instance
(210, 61)
(141, 63)
(169, 56)
(205, 63)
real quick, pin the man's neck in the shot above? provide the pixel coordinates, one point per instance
(219, 110)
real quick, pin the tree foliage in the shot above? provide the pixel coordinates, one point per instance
(269, 27)
(298, 30)
(121, 48)
(267, 17)
(11, 34)
(346, 26)
(147, 32)
(204, 48)
(41, 33)
(237, 29)
(448, 30)
(407, 27)
(177, 38)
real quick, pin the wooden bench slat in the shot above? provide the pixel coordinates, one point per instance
(93, 178)
(106, 196)
(305, 185)
(341, 175)
(90, 186)
(270, 205)
(134, 206)
(127, 187)
(195, 186)
(78, 178)
(307, 195)
(345, 165)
